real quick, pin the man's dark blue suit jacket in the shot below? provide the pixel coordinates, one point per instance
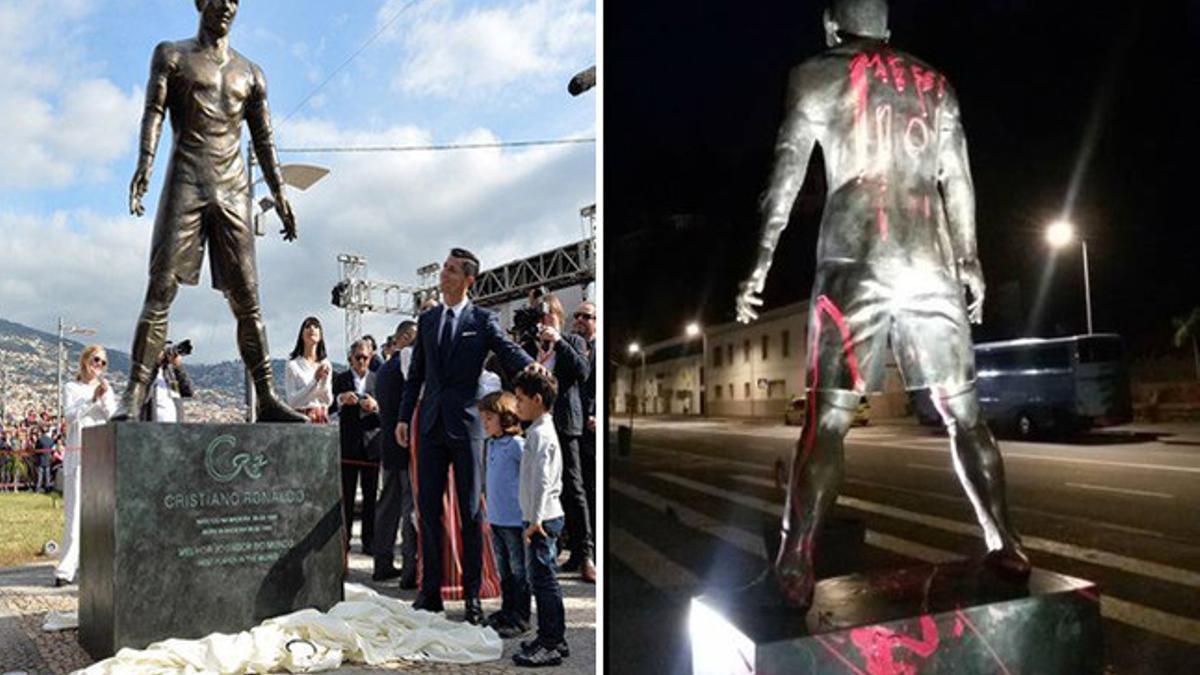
(571, 369)
(450, 385)
(389, 389)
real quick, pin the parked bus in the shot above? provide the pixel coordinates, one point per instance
(1061, 385)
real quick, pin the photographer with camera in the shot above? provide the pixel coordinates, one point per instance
(565, 355)
(171, 385)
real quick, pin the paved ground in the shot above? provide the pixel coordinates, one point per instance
(686, 512)
(26, 595)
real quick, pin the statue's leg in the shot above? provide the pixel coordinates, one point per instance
(234, 272)
(817, 469)
(148, 340)
(980, 468)
(252, 343)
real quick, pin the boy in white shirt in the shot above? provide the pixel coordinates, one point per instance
(540, 487)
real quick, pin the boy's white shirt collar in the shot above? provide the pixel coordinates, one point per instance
(543, 418)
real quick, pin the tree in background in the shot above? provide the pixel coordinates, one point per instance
(1186, 329)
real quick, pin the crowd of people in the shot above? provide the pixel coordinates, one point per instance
(453, 411)
(31, 449)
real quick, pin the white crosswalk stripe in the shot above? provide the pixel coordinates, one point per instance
(656, 568)
(1147, 568)
(665, 573)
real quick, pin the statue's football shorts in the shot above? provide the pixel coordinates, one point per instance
(857, 308)
(191, 216)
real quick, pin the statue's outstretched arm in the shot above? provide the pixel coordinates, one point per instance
(258, 117)
(161, 65)
(793, 146)
(958, 195)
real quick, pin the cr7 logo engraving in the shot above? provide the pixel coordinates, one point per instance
(227, 465)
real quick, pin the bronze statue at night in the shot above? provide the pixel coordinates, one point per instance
(208, 90)
(896, 251)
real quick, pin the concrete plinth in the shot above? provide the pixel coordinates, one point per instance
(189, 529)
(951, 618)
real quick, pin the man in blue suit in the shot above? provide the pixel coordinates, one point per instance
(395, 509)
(453, 340)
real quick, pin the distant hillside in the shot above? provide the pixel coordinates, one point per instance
(28, 376)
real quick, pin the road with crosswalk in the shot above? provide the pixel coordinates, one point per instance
(686, 510)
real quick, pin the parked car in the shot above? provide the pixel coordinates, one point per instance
(798, 409)
(1030, 387)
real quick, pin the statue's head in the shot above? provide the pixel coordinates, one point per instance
(863, 18)
(217, 15)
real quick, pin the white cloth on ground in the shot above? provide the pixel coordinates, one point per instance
(366, 628)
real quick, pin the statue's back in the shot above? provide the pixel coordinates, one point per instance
(881, 117)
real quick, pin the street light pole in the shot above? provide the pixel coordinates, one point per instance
(249, 394)
(63, 329)
(1087, 285)
(1059, 234)
(59, 388)
(301, 177)
(643, 355)
(693, 330)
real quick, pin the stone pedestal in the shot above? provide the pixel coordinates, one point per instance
(189, 529)
(950, 618)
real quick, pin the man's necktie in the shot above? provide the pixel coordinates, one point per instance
(447, 335)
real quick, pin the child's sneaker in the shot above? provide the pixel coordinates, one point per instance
(538, 656)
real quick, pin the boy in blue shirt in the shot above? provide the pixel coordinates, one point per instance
(542, 513)
(504, 449)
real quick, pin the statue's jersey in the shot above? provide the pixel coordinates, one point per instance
(882, 119)
(207, 102)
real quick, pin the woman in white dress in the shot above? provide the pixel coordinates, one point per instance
(308, 381)
(87, 401)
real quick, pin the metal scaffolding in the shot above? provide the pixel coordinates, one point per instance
(357, 294)
(570, 265)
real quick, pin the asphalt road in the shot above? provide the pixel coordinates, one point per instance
(686, 511)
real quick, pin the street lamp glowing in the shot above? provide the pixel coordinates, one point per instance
(693, 329)
(634, 348)
(1060, 233)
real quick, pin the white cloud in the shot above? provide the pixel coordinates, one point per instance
(65, 124)
(61, 125)
(479, 52)
(400, 210)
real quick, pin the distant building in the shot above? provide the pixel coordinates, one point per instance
(733, 370)
(670, 384)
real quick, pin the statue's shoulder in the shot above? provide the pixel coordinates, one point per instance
(170, 52)
(242, 59)
(244, 62)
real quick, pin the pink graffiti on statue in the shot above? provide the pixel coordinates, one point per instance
(878, 645)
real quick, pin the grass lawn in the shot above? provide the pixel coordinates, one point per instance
(27, 522)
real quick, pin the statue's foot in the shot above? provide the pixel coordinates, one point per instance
(271, 409)
(770, 592)
(1009, 562)
(794, 576)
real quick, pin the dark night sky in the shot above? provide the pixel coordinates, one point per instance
(693, 97)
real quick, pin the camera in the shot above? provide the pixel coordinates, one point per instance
(527, 321)
(181, 348)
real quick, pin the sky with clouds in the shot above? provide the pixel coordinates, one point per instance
(72, 81)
